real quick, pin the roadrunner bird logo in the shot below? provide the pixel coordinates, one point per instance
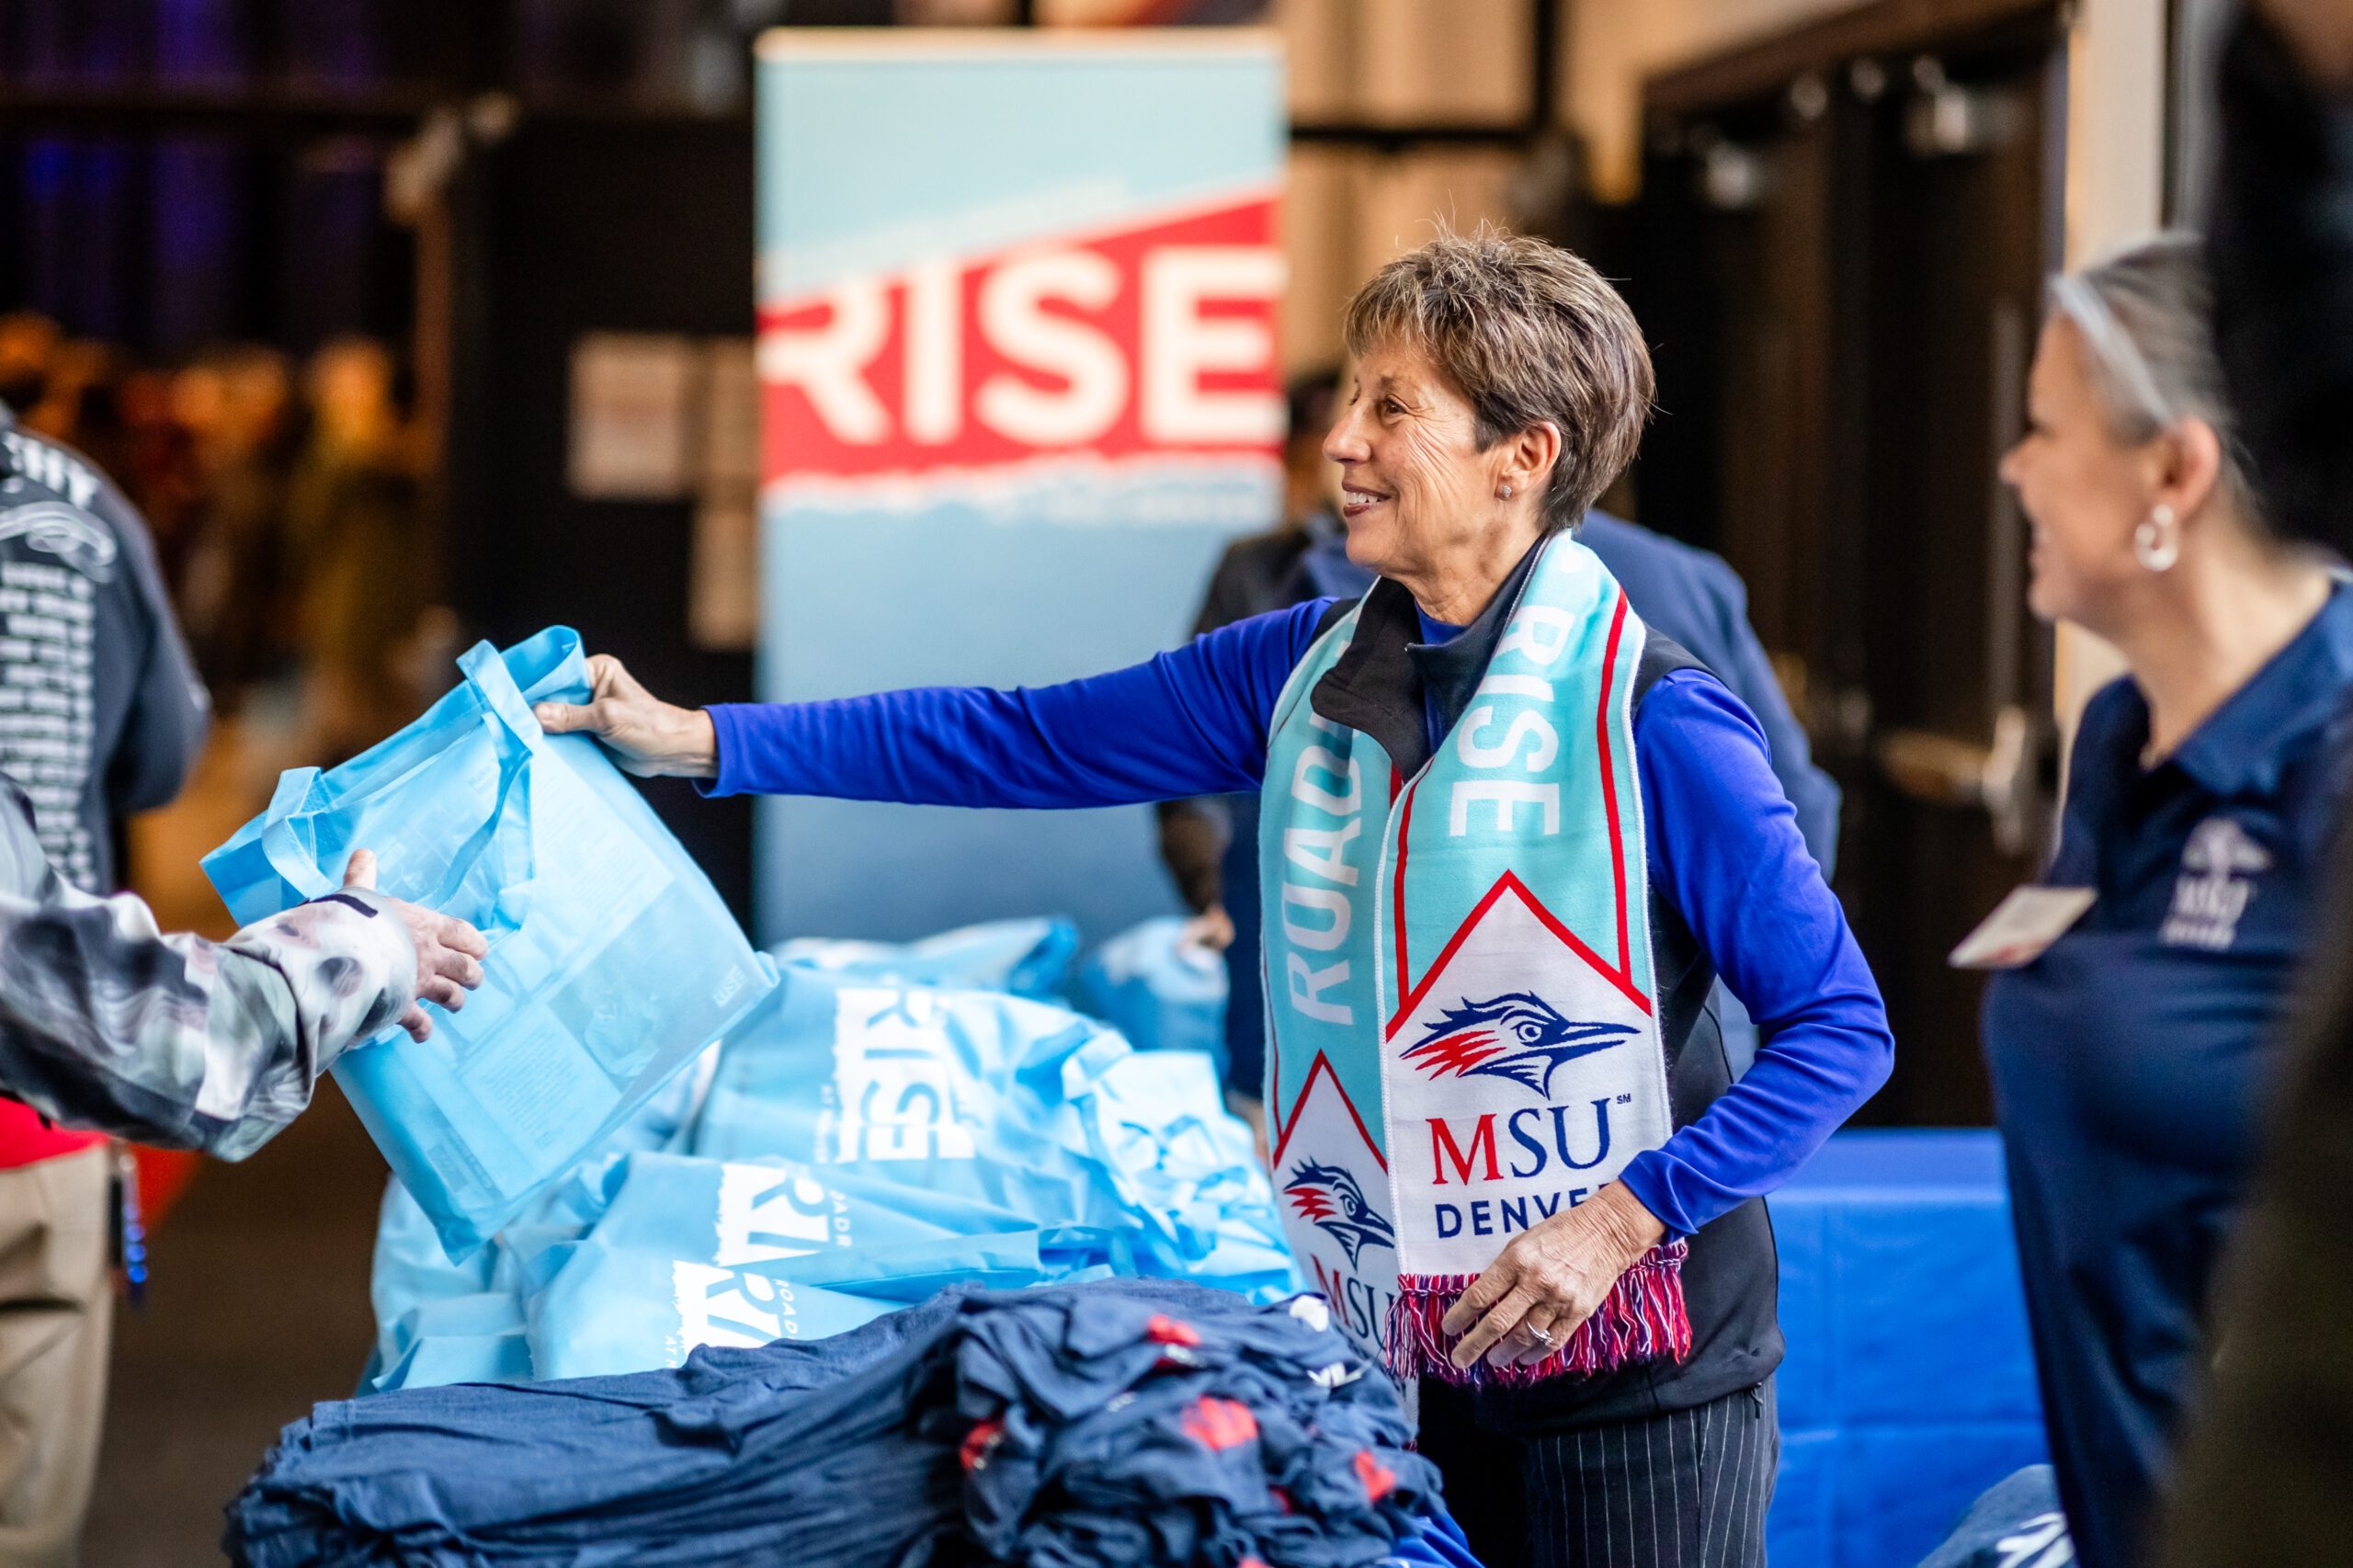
(1330, 1198)
(1517, 1035)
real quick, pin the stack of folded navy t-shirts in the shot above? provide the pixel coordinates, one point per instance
(1120, 1421)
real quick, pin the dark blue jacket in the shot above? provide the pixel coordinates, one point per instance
(1697, 599)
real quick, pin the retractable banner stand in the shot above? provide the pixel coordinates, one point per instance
(1018, 368)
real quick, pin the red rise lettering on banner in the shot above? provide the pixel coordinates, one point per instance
(1157, 339)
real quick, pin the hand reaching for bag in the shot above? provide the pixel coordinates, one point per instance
(648, 736)
(449, 951)
(1212, 930)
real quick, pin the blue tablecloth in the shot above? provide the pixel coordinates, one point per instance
(1909, 1387)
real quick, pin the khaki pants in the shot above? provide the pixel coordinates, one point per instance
(56, 1315)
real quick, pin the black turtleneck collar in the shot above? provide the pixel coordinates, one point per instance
(1388, 681)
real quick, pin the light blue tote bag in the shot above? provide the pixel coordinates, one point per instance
(613, 961)
(1028, 958)
(1162, 992)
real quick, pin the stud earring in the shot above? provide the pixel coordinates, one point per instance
(1505, 492)
(2156, 542)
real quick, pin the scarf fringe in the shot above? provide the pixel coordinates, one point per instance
(1643, 1319)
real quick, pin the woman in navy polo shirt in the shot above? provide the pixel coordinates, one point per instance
(2132, 1057)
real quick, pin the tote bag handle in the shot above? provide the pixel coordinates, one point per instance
(282, 847)
(490, 677)
(292, 854)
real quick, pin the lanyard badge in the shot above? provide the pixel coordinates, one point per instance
(130, 1233)
(2021, 926)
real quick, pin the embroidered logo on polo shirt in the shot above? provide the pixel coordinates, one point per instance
(2217, 866)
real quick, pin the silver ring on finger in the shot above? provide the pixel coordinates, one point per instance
(1541, 1335)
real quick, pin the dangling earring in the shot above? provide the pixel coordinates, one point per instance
(2156, 543)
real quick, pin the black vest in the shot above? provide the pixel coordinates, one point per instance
(1382, 685)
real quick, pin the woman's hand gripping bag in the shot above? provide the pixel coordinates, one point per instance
(613, 961)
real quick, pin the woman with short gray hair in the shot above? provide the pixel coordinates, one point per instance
(1508, 839)
(2131, 1050)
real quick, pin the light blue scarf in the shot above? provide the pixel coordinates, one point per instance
(1462, 1024)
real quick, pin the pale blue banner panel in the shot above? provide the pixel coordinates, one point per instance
(1019, 386)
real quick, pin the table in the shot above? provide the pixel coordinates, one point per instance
(1909, 1385)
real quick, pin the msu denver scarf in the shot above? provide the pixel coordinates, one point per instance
(1462, 1024)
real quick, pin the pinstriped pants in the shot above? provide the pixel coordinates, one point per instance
(1685, 1489)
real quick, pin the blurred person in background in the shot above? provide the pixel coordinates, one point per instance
(159, 471)
(1209, 844)
(353, 530)
(101, 711)
(2130, 1056)
(109, 1027)
(1500, 385)
(78, 406)
(1694, 596)
(28, 343)
(237, 406)
(2262, 1475)
(101, 716)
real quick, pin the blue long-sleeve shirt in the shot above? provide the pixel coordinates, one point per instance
(1724, 846)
